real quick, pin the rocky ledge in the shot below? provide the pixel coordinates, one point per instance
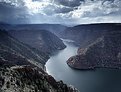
(27, 79)
(104, 52)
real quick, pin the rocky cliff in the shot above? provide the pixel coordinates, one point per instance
(103, 52)
(14, 52)
(42, 40)
(22, 68)
(40, 36)
(28, 79)
(85, 34)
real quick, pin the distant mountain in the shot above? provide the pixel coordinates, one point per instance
(40, 36)
(54, 28)
(4, 25)
(42, 40)
(84, 35)
(100, 47)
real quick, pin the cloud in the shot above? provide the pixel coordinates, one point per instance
(60, 11)
(93, 11)
(96, 8)
(69, 3)
(10, 13)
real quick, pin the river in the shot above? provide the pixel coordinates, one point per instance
(99, 80)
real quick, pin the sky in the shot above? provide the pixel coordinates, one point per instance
(60, 11)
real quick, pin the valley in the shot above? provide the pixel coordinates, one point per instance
(68, 59)
(22, 67)
(60, 45)
(104, 79)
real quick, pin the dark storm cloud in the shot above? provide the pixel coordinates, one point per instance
(55, 9)
(106, 9)
(69, 3)
(11, 13)
(50, 11)
(63, 10)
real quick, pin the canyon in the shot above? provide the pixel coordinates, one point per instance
(99, 45)
(22, 67)
(39, 50)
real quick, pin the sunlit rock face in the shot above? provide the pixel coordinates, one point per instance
(103, 52)
(42, 40)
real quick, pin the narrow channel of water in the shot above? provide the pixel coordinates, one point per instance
(100, 80)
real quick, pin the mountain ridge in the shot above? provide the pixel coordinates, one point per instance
(99, 47)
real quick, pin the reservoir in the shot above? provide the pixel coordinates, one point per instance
(99, 80)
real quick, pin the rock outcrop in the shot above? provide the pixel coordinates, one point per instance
(105, 51)
(28, 79)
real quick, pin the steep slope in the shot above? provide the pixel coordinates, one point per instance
(11, 49)
(27, 79)
(37, 36)
(104, 52)
(83, 35)
(54, 28)
(22, 68)
(42, 40)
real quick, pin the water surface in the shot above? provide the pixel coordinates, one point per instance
(100, 80)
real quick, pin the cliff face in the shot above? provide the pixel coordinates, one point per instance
(42, 40)
(22, 68)
(14, 52)
(83, 35)
(36, 35)
(105, 51)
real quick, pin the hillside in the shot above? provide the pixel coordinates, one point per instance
(22, 68)
(54, 28)
(11, 49)
(28, 79)
(103, 52)
(86, 34)
(42, 40)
